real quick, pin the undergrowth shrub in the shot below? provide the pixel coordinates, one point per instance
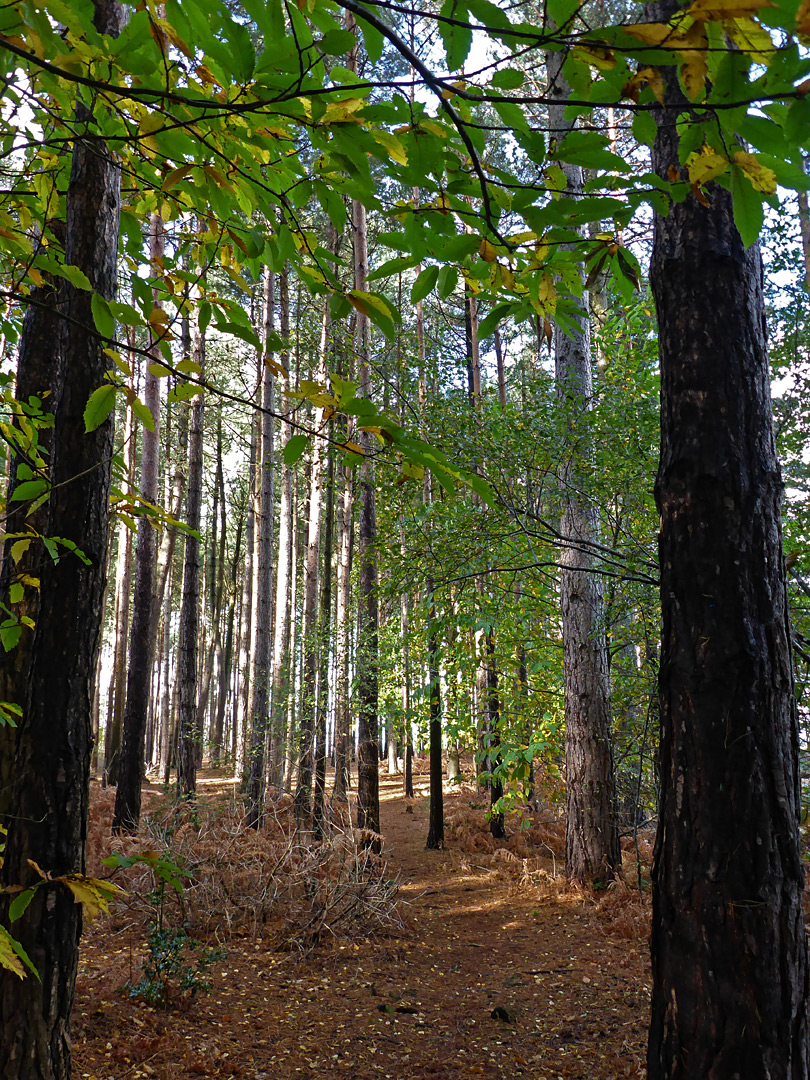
(269, 884)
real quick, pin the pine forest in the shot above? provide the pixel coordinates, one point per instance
(405, 550)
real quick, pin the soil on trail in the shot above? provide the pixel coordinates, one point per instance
(500, 970)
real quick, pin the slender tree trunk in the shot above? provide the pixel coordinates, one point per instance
(187, 667)
(323, 638)
(342, 644)
(142, 636)
(368, 780)
(246, 624)
(592, 841)
(729, 949)
(804, 226)
(435, 837)
(263, 580)
(123, 585)
(49, 805)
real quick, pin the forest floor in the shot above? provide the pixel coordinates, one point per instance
(491, 966)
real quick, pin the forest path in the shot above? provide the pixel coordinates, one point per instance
(488, 931)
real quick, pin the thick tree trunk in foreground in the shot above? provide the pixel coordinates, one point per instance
(592, 842)
(50, 800)
(729, 952)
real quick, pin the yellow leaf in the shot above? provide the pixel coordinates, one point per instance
(355, 448)
(652, 77)
(651, 33)
(92, 894)
(19, 548)
(487, 251)
(750, 37)
(803, 21)
(341, 112)
(597, 56)
(762, 178)
(705, 164)
(27, 579)
(707, 10)
(362, 300)
(547, 293)
(150, 123)
(693, 57)
(8, 958)
(392, 144)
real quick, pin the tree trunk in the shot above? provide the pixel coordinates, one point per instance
(238, 745)
(281, 628)
(187, 673)
(49, 810)
(342, 645)
(310, 635)
(263, 579)
(323, 645)
(729, 951)
(368, 780)
(592, 849)
(123, 585)
(435, 838)
(142, 635)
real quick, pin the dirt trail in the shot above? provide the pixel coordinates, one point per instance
(490, 932)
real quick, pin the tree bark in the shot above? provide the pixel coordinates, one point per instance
(592, 850)
(142, 635)
(729, 950)
(263, 580)
(187, 673)
(48, 821)
(435, 838)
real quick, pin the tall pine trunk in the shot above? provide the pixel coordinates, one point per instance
(263, 579)
(592, 841)
(187, 667)
(49, 806)
(142, 634)
(729, 950)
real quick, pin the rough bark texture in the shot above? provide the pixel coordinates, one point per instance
(368, 781)
(48, 821)
(729, 952)
(144, 627)
(262, 583)
(592, 842)
(187, 677)
(281, 628)
(40, 373)
(435, 838)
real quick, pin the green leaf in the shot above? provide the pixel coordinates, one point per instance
(457, 40)
(10, 634)
(747, 204)
(294, 448)
(562, 10)
(143, 412)
(16, 592)
(20, 903)
(29, 489)
(448, 280)
(103, 317)
(644, 128)
(100, 405)
(424, 284)
(508, 79)
(10, 951)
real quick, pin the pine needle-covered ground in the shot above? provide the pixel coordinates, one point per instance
(485, 965)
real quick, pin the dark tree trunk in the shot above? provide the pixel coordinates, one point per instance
(144, 627)
(48, 822)
(729, 952)
(435, 837)
(319, 801)
(496, 821)
(261, 643)
(187, 677)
